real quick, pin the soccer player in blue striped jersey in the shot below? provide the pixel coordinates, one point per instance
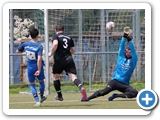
(35, 65)
(126, 63)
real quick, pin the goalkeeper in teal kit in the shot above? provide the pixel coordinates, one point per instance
(126, 63)
(35, 65)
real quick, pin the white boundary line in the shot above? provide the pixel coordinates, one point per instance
(65, 101)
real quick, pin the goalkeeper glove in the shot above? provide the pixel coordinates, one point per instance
(128, 39)
(127, 32)
(125, 35)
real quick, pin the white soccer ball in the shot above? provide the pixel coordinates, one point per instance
(110, 25)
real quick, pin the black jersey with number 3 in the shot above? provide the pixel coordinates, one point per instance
(64, 45)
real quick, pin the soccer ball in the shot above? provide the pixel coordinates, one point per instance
(110, 25)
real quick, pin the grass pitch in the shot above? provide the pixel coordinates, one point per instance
(71, 101)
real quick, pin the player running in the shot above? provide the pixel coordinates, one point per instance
(63, 48)
(35, 65)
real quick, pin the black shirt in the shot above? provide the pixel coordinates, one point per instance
(64, 45)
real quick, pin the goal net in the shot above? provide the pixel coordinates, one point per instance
(96, 47)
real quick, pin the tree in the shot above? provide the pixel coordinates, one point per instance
(22, 27)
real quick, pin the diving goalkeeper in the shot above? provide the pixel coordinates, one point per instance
(126, 63)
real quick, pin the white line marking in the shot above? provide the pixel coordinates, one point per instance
(55, 101)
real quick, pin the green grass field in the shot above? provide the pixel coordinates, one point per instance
(72, 97)
(71, 101)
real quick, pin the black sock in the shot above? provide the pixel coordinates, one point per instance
(57, 86)
(77, 82)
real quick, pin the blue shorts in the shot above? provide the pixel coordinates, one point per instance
(31, 69)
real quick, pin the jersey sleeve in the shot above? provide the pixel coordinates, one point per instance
(122, 47)
(72, 43)
(21, 47)
(121, 52)
(133, 52)
(40, 51)
(54, 37)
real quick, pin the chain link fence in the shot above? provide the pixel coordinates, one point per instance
(96, 47)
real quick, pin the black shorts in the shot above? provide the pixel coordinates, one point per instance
(68, 66)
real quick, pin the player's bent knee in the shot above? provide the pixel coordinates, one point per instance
(135, 93)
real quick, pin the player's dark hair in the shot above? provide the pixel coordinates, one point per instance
(128, 47)
(34, 33)
(59, 27)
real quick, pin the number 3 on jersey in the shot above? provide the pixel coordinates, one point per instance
(65, 43)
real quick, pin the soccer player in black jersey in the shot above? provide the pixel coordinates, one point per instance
(63, 48)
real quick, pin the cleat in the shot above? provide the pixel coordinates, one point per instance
(43, 99)
(84, 95)
(38, 104)
(59, 98)
(112, 97)
(85, 100)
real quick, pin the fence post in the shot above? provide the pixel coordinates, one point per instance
(138, 44)
(107, 37)
(80, 45)
(11, 46)
(46, 52)
(102, 24)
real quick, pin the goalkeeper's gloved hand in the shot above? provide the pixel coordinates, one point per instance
(128, 39)
(127, 32)
(125, 35)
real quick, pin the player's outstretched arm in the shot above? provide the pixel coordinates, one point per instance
(133, 51)
(126, 34)
(122, 43)
(122, 47)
